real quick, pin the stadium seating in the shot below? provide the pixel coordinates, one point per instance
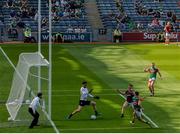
(58, 26)
(108, 11)
(107, 7)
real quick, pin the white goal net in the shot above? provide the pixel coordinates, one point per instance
(24, 84)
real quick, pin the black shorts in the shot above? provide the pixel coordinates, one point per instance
(84, 103)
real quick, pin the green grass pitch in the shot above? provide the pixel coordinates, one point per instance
(105, 67)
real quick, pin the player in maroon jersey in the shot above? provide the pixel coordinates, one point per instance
(167, 30)
(129, 95)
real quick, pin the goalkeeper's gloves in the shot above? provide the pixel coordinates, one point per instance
(96, 97)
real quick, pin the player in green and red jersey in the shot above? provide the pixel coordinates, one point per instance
(153, 70)
(137, 113)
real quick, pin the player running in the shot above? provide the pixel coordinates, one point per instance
(84, 100)
(137, 113)
(128, 94)
(167, 30)
(153, 70)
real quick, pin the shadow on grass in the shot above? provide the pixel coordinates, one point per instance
(100, 76)
(94, 69)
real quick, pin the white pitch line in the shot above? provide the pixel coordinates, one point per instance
(79, 90)
(71, 95)
(75, 129)
(52, 123)
(154, 124)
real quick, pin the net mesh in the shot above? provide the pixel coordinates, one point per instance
(25, 86)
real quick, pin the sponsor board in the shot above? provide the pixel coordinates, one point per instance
(73, 37)
(146, 36)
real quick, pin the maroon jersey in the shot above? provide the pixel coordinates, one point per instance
(168, 28)
(129, 95)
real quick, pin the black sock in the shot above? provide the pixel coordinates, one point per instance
(70, 116)
(96, 113)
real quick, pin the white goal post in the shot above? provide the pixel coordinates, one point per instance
(20, 86)
(20, 81)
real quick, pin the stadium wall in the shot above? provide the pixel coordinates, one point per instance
(97, 35)
(136, 36)
(70, 37)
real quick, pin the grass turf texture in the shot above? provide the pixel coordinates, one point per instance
(105, 67)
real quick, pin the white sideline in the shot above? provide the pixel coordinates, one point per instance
(154, 124)
(52, 123)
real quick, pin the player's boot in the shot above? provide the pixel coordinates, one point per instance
(151, 94)
(30, 126)
(132, 122)
(69, 117)
(122, 115)
(97, 113)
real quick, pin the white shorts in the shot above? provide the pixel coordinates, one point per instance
(138, 113)
(152, 79)
(168, 35)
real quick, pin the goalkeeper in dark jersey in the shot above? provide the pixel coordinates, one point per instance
(153, 70)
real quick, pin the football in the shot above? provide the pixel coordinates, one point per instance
(93, 117)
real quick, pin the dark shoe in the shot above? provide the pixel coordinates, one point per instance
(68, 117)
(122, 115)
(98, 114)
(131, 122)
(30, 127)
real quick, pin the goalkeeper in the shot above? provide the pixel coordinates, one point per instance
(33, 110)
(83, 100)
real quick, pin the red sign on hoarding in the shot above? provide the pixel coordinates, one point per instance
(146, 36)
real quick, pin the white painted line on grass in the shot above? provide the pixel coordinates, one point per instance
(56, 90)
(76, 129)
(52, 123)
(74, 95)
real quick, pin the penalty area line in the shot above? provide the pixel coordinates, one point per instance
(153, 123)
